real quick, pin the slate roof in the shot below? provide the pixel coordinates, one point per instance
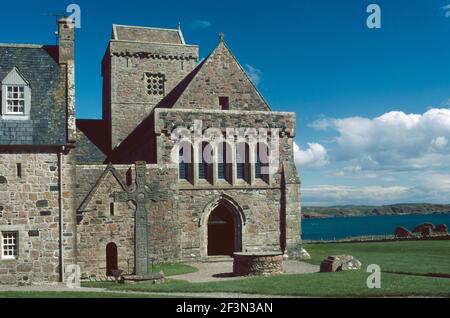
(147, 35)
(92, 141)
(47, 124)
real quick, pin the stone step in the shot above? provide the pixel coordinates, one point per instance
(99, 279)
(217, 259)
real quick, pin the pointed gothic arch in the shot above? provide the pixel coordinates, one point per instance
(226, 218)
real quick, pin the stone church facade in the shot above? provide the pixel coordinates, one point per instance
(103, 193)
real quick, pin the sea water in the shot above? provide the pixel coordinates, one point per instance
(347, 227)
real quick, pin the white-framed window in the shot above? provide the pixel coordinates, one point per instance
(10, 245)
(15, 100)
(16, 96)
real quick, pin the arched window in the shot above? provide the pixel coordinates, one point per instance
(206, 159)
(224, 161)
(242, 161)
(262, 160)
(185, 161)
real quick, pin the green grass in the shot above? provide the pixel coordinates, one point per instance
(20, 294)
(343, 284)
(418, 257)
(172, 269)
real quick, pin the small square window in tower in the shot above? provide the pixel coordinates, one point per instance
(155, 84)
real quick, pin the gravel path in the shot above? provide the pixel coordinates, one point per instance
(208, 272)
(221, 271)
(62, 288)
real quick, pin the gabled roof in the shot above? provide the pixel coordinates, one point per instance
(190, 83)
(196, 81)
(109, 170)
(147, 34)
(15, 77)
(92, 146)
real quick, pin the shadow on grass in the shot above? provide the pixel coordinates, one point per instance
(434, 275)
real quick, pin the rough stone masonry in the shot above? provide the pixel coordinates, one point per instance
(107, 194)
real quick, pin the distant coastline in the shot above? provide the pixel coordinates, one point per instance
(362, 210)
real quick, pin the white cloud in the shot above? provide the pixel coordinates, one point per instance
(200, 24)
(446, 8)
(341, 194)
(315, 156)
(440, 143)
(356, 172)
(394, 140)
(254, 74)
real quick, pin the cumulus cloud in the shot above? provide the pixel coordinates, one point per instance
(254, 74)
(315, 156)
(200, 24)
(440, 143)
(395, 140)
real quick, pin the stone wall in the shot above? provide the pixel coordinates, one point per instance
(29, 205)
(97, 227)
(258, 209)
(291, 209)
(263, 264)
(167, 120)
(222, 76)
(126, 64)
(68, 196)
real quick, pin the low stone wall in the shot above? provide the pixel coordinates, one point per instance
(261, 264)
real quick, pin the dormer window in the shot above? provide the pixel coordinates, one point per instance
(16, 96)
(15, 100)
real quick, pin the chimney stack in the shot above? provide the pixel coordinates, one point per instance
(66, 35)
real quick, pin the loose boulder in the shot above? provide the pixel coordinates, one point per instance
(303, 254)
(340, 263)
(402, 232)
(298, 253)
(441, 229)
(426, 229)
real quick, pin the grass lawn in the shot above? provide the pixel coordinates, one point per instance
(417, 257)
(172, 269)
(421, 257)
(343, 284)
(20, 294)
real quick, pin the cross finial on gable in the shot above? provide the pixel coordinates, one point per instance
(221, 36)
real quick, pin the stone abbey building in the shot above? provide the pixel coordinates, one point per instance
(107, 194)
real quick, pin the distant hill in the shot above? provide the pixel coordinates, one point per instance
(364, 210)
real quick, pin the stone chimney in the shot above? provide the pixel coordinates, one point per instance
(66, 59)
(66, 34)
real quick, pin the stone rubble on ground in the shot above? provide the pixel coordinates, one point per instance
(340, 263)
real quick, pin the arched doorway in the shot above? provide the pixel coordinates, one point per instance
(111, 259)
(224, 232)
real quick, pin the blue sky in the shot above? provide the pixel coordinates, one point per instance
(373, 106)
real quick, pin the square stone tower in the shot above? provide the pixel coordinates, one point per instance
(140, 67)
